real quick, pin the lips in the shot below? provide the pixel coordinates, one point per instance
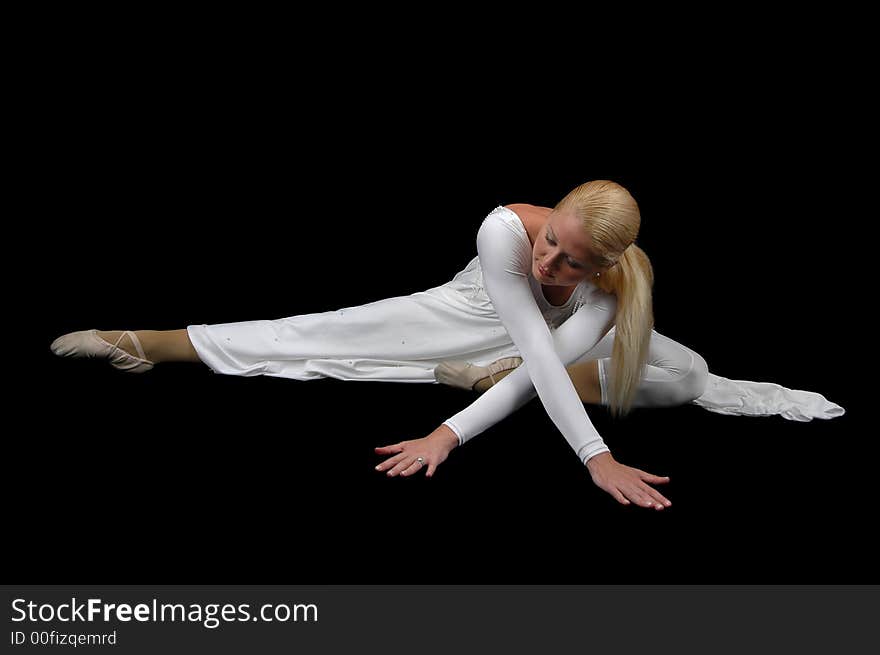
(543, 271)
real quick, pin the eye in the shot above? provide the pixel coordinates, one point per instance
(553, 243)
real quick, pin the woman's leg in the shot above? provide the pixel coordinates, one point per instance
(674, 375)
(158, 345)
(585, 377)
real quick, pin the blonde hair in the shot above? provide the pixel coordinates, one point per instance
(611, 218)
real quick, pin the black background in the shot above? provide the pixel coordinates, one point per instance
(165, 190)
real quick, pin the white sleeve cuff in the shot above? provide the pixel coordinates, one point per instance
(452, 426)
(602, 448)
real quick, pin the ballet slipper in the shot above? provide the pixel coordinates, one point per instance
(465, 375)
(87, 343)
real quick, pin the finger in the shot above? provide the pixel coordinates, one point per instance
(619, 497)
(401, 465)
(417, 466)
(414, 467)
(617, 494)
(653, 493)
(391, 461)
(657, 499)
(650, 477)
(638, 496)
(431, 469)
(393, 448)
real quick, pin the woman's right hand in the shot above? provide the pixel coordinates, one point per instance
(626, 483)
(434, 449)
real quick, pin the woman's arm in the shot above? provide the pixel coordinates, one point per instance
(503, 257)
(572, 339)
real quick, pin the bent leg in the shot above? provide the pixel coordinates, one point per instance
(674, 375)
(585, 378)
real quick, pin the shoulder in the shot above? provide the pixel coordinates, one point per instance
(519, 207)
(503, 243)
(527, 213)
(532, 217)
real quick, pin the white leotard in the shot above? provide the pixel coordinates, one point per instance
(506, 259)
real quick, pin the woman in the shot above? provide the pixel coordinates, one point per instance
(556, 303)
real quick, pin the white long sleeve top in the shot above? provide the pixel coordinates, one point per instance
(505, 254)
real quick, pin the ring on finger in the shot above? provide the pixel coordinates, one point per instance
(419, 461)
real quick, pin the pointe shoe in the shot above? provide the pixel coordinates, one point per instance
(87, 343)
(465, 375)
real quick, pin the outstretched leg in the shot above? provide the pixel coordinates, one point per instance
(399, 339)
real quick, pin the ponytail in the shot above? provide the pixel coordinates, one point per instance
(631, 279)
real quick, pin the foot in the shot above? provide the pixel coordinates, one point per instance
(466, 375)
(122, 348)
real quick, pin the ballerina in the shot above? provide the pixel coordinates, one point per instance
(557, 303)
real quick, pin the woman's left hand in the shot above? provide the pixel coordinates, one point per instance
(625, 483)
(433, 449)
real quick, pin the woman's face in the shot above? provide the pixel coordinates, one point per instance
(563, 250)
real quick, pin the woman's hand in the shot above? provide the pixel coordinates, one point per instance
(626, 483)
(434, 448)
